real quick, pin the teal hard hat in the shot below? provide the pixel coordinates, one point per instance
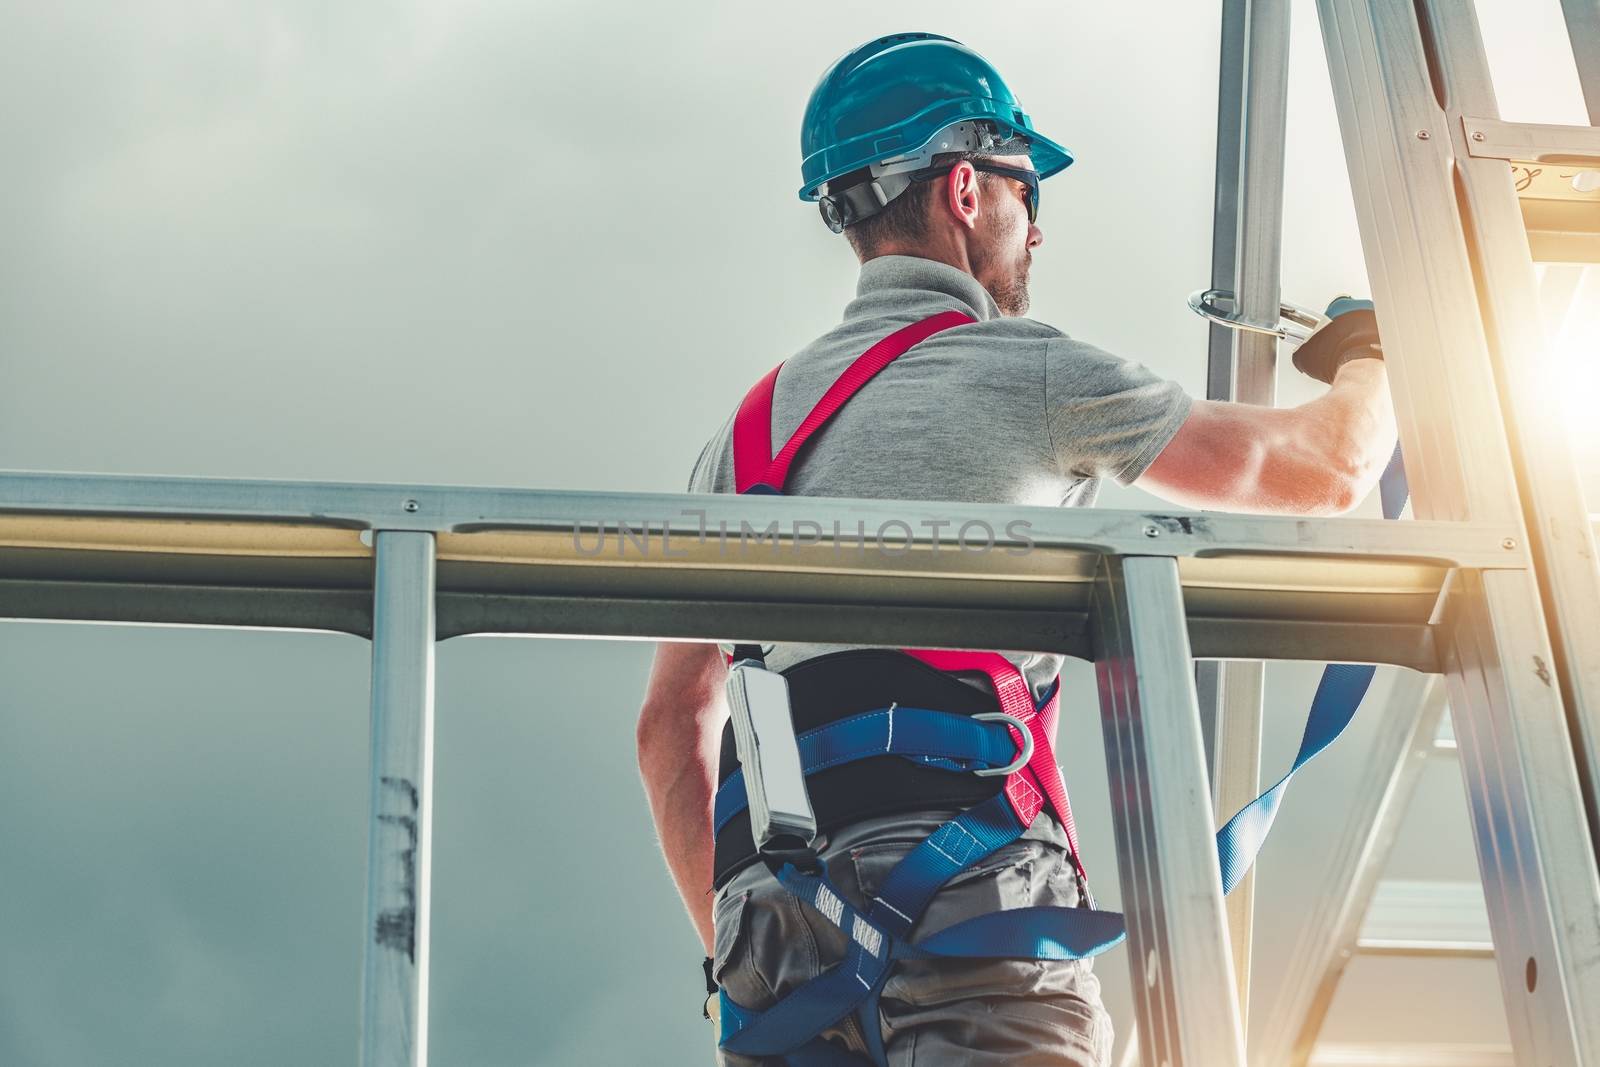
(890, 98)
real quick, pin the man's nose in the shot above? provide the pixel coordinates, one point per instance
(1035, 236)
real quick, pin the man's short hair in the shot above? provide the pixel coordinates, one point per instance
(905, 219)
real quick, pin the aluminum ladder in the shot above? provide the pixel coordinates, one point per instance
(1416, 107)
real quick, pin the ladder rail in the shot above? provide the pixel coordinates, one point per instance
(1247, 239)
(1560, 535)
(1535, 855)
(1539, 878)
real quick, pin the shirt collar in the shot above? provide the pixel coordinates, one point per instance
(885, 274)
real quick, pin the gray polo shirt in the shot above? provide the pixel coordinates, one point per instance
(1005, 410)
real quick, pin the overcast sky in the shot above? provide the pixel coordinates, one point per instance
(540, 245)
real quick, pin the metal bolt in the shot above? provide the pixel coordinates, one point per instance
(1423, 135)
(1477, 135)
(1508, 543)
(411, 505)
(1152, 531)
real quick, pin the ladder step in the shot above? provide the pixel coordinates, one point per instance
(1427, 919)
(1556, 170)
(1412, 1056)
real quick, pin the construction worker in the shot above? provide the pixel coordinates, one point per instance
(916, 150)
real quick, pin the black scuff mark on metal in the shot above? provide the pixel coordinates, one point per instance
(1541, 670)
(1182, 524)
(396, 928)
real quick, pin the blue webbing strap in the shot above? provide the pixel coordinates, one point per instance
(1037, 933)
(940, 739)
(807, 1011)
(1338, 696)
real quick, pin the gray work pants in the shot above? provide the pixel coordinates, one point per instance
(981, 1013)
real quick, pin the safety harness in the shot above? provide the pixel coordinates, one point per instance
(1016, 743)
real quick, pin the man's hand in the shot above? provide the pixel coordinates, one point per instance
(1350, 333)
(1321, 458)
(680, 727)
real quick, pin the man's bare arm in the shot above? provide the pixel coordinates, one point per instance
(1321, 458)
(680, 726)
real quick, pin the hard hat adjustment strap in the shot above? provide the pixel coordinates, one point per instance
(889, 178)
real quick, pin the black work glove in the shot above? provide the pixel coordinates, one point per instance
(1351, 333)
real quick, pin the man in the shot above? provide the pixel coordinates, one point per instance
(917, 152)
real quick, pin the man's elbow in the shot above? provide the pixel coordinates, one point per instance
(1354, 470)
(1342, 495)
(684, 694)
(652, 730)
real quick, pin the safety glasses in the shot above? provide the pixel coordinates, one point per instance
(1029, 178)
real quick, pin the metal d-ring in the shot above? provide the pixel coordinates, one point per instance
(1294, 324)
(1027, 744)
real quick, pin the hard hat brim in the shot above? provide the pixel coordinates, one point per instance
(913, 136)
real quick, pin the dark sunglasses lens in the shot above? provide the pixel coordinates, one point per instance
(1032, 182)
(1026, 177)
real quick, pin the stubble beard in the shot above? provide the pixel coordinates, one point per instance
(1007, 285)
(1011, 292)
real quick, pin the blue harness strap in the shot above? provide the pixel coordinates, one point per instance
(1338, 696)
(877, 937)
(939, 739)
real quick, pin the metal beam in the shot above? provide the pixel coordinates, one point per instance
(1241, 684)
(1186, 1002)
(240, 517)
(394, 975)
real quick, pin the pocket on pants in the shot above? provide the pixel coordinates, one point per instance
(768, 945)
(733, 969)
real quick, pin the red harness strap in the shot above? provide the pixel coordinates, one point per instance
(1040, 781)
(1041, 773)
(752, 426)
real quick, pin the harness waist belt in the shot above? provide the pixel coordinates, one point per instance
(837, 686)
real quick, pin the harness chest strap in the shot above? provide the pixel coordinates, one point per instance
(754, 466)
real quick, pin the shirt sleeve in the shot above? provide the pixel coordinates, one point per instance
(1107, 417)
(700, 474)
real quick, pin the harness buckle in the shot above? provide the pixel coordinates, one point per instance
(1027, 744)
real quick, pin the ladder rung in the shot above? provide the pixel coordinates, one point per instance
(1533, 142)
(1427, 919)
(1413, 947)
(1556, 170)
(1412, 1055)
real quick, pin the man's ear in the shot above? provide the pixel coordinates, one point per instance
(961, 194)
